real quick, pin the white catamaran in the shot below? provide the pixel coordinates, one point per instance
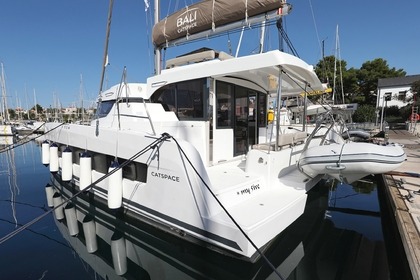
(191, 151)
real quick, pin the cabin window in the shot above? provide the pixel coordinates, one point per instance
(104, 107)
(256, 107)
(186, 99)
(224, 105)
(262, 110)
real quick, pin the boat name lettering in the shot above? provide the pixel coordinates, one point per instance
(165, 176)
(254, 187)
(187, 21)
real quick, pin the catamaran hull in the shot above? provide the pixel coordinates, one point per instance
(173, 189)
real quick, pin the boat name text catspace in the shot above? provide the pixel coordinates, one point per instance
(165, 176)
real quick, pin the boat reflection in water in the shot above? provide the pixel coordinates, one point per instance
(310, 248)
(5, 141)
(8, 168)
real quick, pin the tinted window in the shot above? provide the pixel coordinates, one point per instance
(104, 107)
(186, 99)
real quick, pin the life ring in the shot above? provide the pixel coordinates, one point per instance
(414, 117)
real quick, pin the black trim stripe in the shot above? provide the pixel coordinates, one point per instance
(199, 231)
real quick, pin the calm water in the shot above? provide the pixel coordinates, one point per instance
(339, 237)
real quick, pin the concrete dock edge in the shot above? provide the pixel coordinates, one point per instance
(406, 225)
(402, 188)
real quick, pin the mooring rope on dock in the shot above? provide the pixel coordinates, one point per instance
(407, 174)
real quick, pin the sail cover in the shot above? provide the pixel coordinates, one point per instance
(209, 14)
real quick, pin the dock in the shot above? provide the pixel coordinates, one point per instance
(402, 188)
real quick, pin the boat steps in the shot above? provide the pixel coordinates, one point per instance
(266, 212)
(230, 176)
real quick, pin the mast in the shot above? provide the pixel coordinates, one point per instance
(36, 107)
(341, 71)
(337, 55)
(262, 37)
(27, 105)
(335, 67)
(4, 111)
(157, 50)
(81, 99)
(105, 58)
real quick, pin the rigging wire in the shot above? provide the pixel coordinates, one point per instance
(151, 146)
(285, 37)
(227, 212)
(119, 91)
(149, 24)
(315, 25)
(13, 186)
(42, 235)
(26, 139)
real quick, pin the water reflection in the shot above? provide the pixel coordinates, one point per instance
(333, 239)
(8, 170)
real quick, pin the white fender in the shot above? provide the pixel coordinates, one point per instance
(119, 253)
(115, 186)
(71, 219)
(89, 229)
(58, 211)
(45, 152)
(66, 165)
(49, 191)
(85, 170)
(53, 157)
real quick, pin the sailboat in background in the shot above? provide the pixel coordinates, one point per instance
(6, 128)
(337, 56)
(36, 125)
(21, 126)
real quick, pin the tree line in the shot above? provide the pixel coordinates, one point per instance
(360, 86)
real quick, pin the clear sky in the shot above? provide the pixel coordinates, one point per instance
(49, 46)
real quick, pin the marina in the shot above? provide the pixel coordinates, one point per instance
(215, 166)
(191, 151)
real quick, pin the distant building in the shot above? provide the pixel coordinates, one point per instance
(69, 110)
(397, 91)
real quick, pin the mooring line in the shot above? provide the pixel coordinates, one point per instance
(20, 229)
(227, 212)
(164, 137)
(25, 140)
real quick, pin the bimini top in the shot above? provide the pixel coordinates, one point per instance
(258, 71)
